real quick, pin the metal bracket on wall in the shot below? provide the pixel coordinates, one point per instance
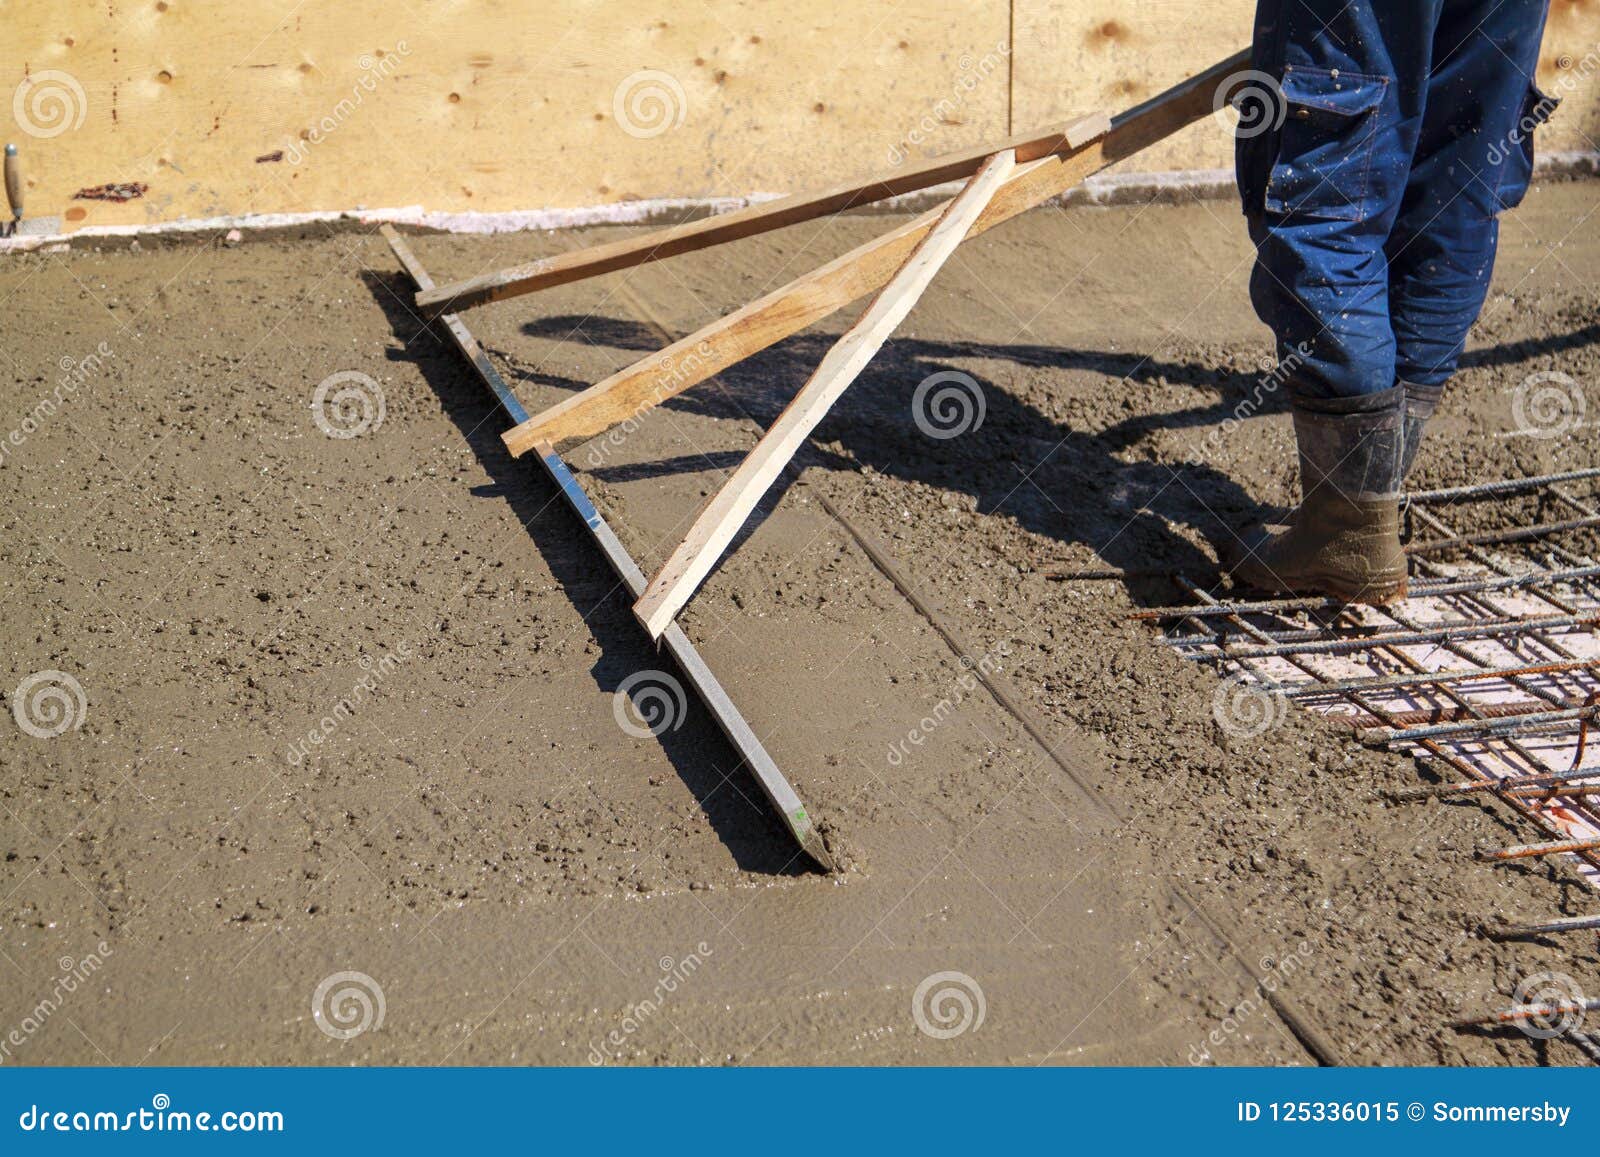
(777, 788)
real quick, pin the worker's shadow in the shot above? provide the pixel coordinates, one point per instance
(1153, 508)
(707, 763)
(967, 435)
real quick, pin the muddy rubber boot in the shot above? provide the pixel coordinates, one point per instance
(1343, 540)
(1421, 402)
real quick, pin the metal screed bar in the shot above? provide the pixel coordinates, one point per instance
(733, 725)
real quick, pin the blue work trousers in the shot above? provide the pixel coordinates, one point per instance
(1395, 131)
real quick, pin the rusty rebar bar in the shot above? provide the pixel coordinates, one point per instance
(1216, 637)
(1511, 785)
(1529, 851)
(1546, 794)
(1510, 534)
(1501, 487)
(1522, 1012)
(1412, 680)
(1583, 730)
(1490, 725)
(1573, 501)
(1468, 630)
(1548, 928)
(1427, 716)
(1418, 591)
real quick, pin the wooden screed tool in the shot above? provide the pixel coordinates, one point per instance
(16, 227)
(1085, 148)
(14, 186)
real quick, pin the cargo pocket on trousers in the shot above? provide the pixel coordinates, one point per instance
(1330, 128)
(1516, 159)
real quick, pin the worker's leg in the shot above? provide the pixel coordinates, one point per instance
(1322, 191)
(1442, 247)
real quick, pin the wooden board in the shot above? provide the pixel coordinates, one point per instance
(732, 505)
(761, 218)
(787, 310)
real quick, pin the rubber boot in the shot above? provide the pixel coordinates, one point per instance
(1343, 540)
(1421, 401)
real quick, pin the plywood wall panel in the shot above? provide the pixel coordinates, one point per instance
(278, 106)
(464, 105)
(1078, 55)
(1569, 67)
(1075, 55)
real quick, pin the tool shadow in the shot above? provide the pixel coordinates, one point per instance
(1076, 486)
(1169, 513)
(708, 765)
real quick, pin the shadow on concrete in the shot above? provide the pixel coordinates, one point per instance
(706, 762)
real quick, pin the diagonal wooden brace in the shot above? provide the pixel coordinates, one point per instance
(728, 509)
(867, 268)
